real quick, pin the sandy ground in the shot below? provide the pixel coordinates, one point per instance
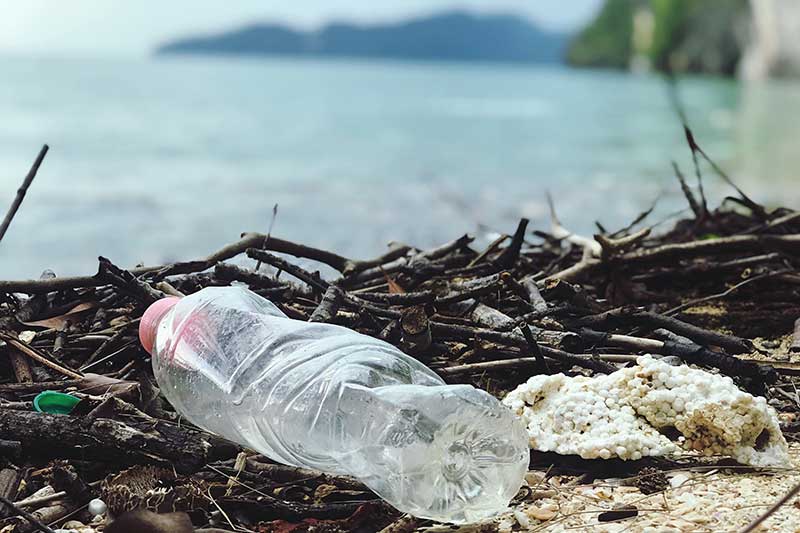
(710, 500)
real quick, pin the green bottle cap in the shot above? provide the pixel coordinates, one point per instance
(56, 403)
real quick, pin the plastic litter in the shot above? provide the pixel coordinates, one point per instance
(650, 409)
(323, 396)
(53, 402)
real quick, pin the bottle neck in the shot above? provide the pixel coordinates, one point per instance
(148, 325)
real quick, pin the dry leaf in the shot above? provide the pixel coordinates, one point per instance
(58, 322)
(394, 287)
(97, 385)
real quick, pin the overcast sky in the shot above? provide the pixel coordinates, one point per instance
(112, 27)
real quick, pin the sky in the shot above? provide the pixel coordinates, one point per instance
(118, 27)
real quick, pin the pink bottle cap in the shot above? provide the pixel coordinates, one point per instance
(149, 322)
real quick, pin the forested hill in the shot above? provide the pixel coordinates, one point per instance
(447, 36)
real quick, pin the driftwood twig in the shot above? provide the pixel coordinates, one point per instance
(22, 191)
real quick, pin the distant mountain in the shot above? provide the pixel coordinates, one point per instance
(451, 36)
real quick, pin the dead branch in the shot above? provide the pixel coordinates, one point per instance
(22, 191)
(105, 439)
(733, 244)
(509, 255)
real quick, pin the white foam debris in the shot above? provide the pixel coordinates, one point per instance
(630, 414)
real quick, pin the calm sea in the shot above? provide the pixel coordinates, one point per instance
(163, 159)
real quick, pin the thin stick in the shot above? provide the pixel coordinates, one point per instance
(534, 346)
(294, 270)
(27, 516)
(693, 146)
(223, 513)
(687, 192)
(31, 502)
(722, 294)
(640, 218)
(248, 240)
(269, 233)
(22, 191)
(757, 522)
(30, 352)
(680, 110)
(489, 249)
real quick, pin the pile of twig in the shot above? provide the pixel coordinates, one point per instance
(720, 291)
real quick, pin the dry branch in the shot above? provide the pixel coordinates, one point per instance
(22, 191)
(106, 439)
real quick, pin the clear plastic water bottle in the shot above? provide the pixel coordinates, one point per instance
(326, 397)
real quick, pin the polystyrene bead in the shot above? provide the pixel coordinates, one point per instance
(620, 414)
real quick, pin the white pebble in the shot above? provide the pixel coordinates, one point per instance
(97, 506)
(522, 519)
(677, 480)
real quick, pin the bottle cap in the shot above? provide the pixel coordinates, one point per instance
(56, 403)
(150, 319)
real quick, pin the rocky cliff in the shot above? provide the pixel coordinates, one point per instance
(774, 48)
(754, 38)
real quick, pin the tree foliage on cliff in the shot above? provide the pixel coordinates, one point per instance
(687, 35)
(607, 41)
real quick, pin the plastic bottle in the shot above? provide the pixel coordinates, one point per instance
(326, 397)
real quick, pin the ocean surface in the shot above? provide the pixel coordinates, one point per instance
(155, 160)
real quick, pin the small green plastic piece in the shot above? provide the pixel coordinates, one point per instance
(56, 403)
